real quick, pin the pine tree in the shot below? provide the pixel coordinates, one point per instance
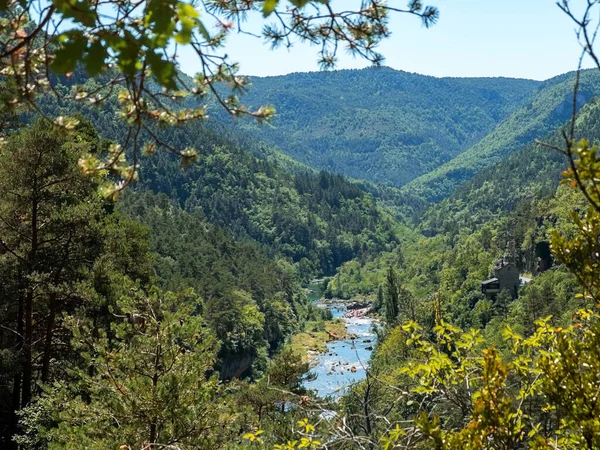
(145, 384)
(407, 304)
(49, 240)
(379, 301)
(391, 298)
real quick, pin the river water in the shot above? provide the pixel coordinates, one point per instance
(345, 360)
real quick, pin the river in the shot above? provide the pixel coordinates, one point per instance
(345, 361)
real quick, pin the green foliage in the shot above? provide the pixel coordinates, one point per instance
(142, 383)
(287, 371)
(318, 221)
(128, 45)
(271, 404)
(531, 390)
(97, 355)
(391, 298)
(73, 260)
(379, 300)
(382, 125)
(315, 220)
(549, 108)
(50, 217)
(579, 251)
(525, 177)
(252, 303)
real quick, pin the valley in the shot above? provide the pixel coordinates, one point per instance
(244, 227)
(339, 259)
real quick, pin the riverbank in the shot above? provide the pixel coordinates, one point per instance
(345, 360)
(339, 350)
(314, 340)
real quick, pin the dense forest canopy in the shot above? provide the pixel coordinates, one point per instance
(382, 125)
(132, 46)
(167, 299)
(316, 220)
(548, 109)
(80, 279)
(200, 270)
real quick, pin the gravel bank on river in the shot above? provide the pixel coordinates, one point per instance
(345, 360)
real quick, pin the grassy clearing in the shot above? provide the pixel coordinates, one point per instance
(316, 336)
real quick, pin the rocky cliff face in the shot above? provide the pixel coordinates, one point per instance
(236, 366)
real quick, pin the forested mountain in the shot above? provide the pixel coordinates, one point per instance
(381, 125)
(238, 182)
(506, 208)
(226, 241)
(549, 108)
(75, 264)
(317, 220)
(193, 277)
(513, 210)
(157, 270)
(251, 301)
(527, 175)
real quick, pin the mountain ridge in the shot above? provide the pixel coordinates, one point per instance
(549, 108)
(380, 125)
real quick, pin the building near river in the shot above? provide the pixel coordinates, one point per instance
(506, 277)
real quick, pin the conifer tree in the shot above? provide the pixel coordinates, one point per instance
(391, 298)
(49, 239)
(379, 301)
(145, 384)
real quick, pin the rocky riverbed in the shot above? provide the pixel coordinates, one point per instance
(345, 360)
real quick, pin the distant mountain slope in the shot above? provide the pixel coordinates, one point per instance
(528, 175)
(318, 220)
(550, 107)
(315, 219)
(381, 125)
(506, 208)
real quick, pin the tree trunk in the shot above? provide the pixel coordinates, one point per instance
(366, 399)
(17, 379)
(31, 266)
(48, 340)
(153, 427)
(27, 353)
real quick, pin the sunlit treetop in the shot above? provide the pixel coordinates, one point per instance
(133, 46)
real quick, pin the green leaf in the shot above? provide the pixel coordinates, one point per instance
(187, 10)
(127, 51)
(95, 58)
(303, 3)
(79, 11)
(163, 70)
(70, 53)
(269, 6)
(160, 19)
(188, 18)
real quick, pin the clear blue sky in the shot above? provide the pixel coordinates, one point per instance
(512, 38)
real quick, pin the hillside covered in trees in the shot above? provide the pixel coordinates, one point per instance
(229, 240)
(314, 219)
(547, 110)
(178, 261)
(382, 125)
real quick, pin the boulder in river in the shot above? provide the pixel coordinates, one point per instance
(358, 305)
(357, 313)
